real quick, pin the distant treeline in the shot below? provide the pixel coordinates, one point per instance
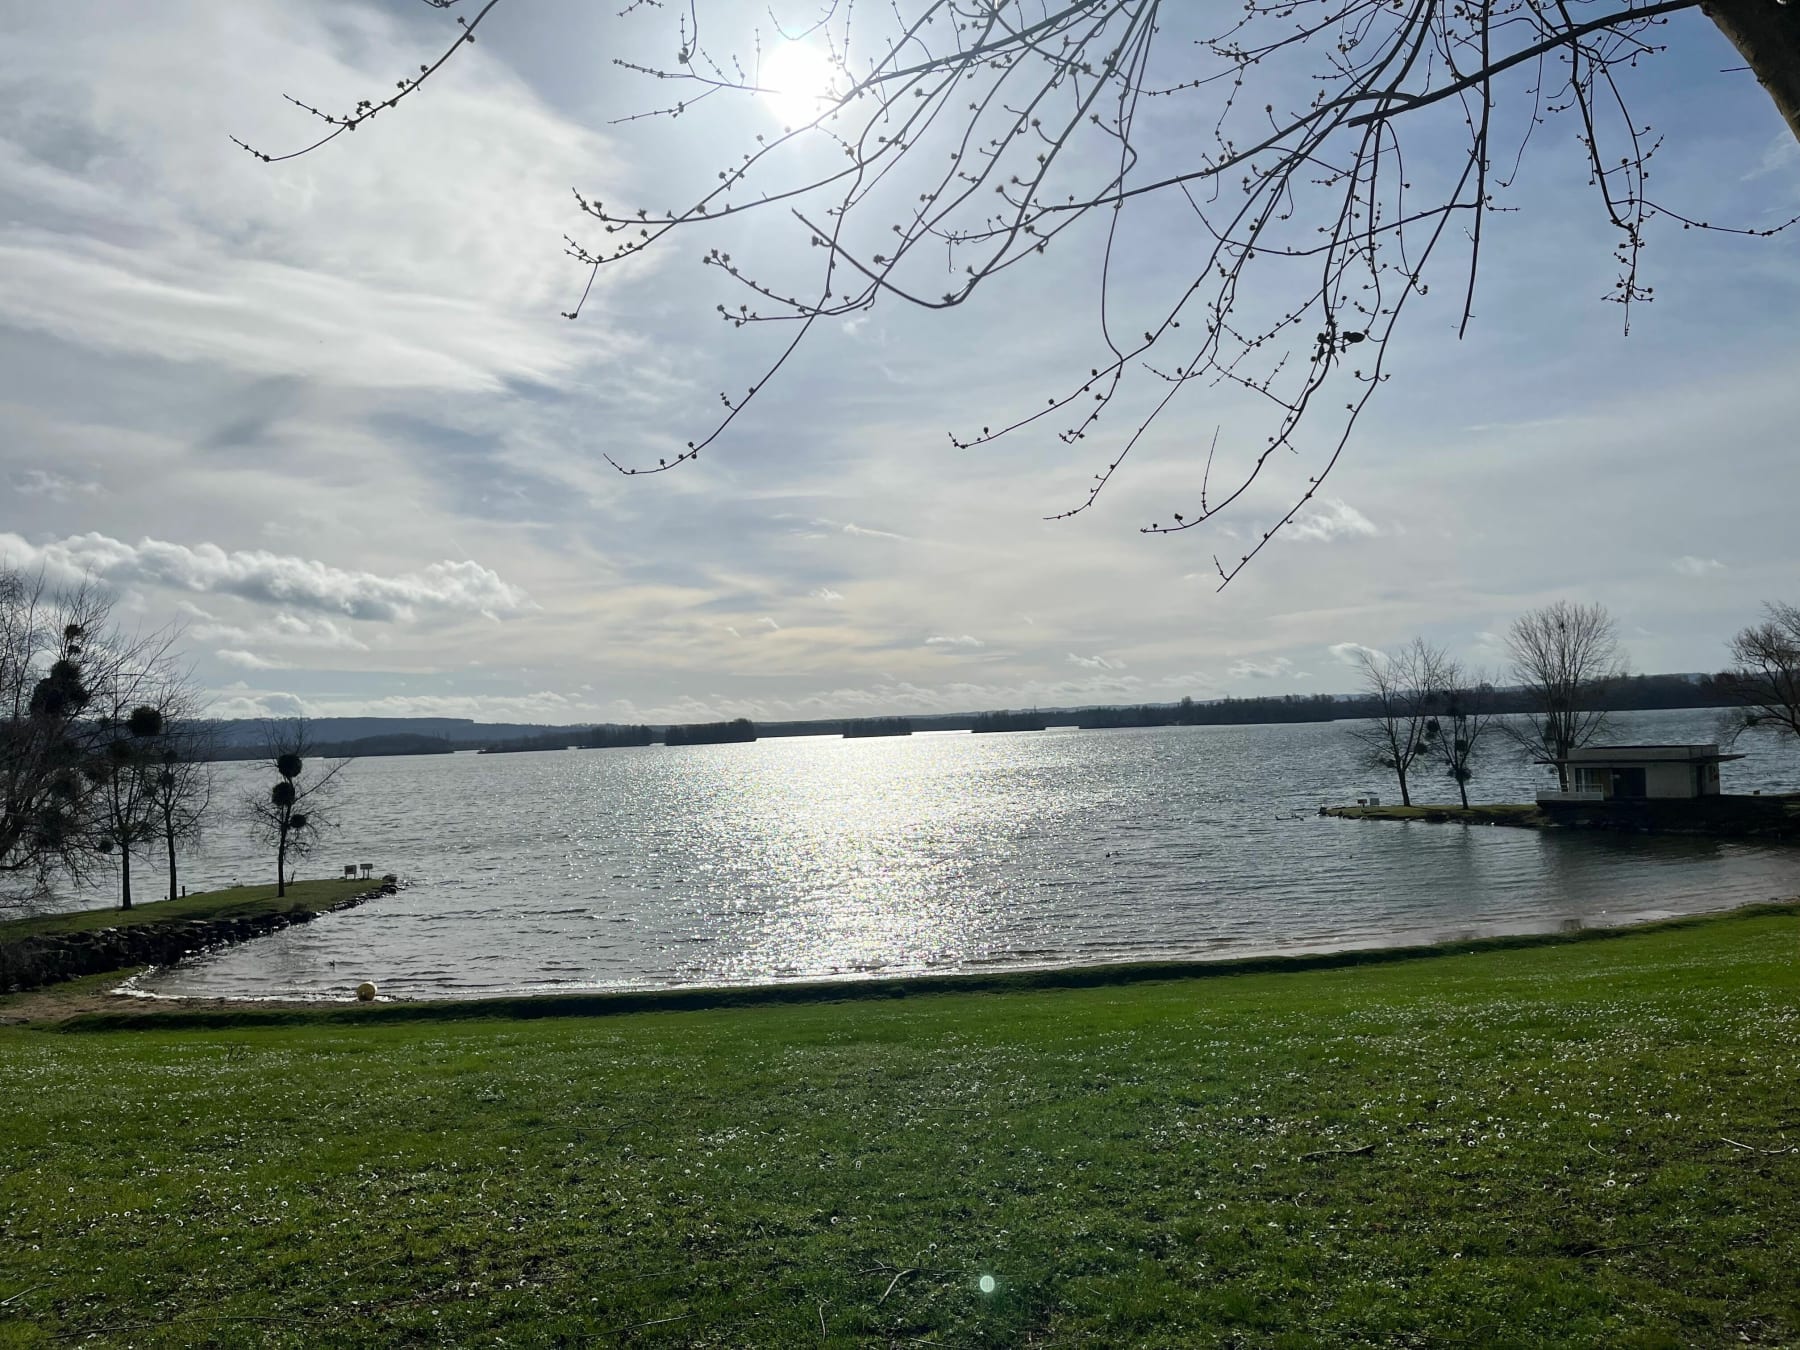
(396, 744)
(1007, 721)
(606, 736)
(1637, 693)
(612, 736)
(877, 726)
(712, 733)
(1226, 712)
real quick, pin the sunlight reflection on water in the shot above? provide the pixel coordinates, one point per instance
(821, 857)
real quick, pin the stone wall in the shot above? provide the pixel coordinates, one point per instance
(33, 962)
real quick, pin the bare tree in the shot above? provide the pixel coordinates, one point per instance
(1404, 690)
(290, 815)
(124, 770)
(182, 791)
(67, 683)
(1765, 673)
(1566, 657)
(1281, 164)
(44, 684)
(1456, 734)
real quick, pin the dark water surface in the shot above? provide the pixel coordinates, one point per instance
(819, 857)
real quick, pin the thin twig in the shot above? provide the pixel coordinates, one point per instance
(1751, 1148)
(14, 1298)
(898, 1276)
(653, 1322)
(1336, 1153)
(822, 1332)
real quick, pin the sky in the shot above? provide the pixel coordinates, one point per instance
(324, 417)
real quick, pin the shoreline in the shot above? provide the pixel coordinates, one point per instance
(1772, 817)
(95, 1002)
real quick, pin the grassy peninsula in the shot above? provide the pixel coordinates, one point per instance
(236, 902)
(1573, 1143)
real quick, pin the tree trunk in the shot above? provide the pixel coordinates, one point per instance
(169, 839)
(124, 877)
(1463, 788)
(281, 865)
(1405, 796)
(1767, 35)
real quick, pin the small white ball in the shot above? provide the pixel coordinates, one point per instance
(365, 992)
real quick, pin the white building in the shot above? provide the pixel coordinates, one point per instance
(1604, 773)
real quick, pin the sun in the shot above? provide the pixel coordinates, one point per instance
(796, 83)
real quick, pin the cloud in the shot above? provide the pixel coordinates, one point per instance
(1096, 662)
(261, 706)
(285, 629)
(1277, 669)
(826, 594)
(1328, 519)
(221, 259)
(38, 483)
(1354, 653)
(867, 533)
(1690, 566)
(248, 660)
(964, 641)
(443, 587)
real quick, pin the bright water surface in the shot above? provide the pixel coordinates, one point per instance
(820, 857)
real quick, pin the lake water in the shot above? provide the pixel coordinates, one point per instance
(820, 858)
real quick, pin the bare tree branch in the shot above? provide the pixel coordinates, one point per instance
(1290, 228)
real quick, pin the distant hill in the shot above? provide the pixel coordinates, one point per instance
(349, 736)
(462, 732)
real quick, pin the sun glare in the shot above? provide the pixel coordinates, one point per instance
(796, 83)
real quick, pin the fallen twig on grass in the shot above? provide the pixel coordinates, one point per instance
(899, 1275)
(1751, 1148)
(653, 1322)
(14, 1298)
(823, 1335)
(1336, 1153)
(166, 1322)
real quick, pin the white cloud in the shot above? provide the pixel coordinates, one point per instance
(1353, 653)
(1690, 566)
(443, 587)
(221, 259)
(826, 594)
(867, 533)
(261, 705)
(1327, 519)
(965, 641)
(1279, 668)
(38, 483)
(248, 660)
(1096, 662)
(284, 629)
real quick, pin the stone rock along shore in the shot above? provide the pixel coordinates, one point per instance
(34, 962)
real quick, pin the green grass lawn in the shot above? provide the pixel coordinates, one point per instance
(1585, 1143)
(235, 902)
